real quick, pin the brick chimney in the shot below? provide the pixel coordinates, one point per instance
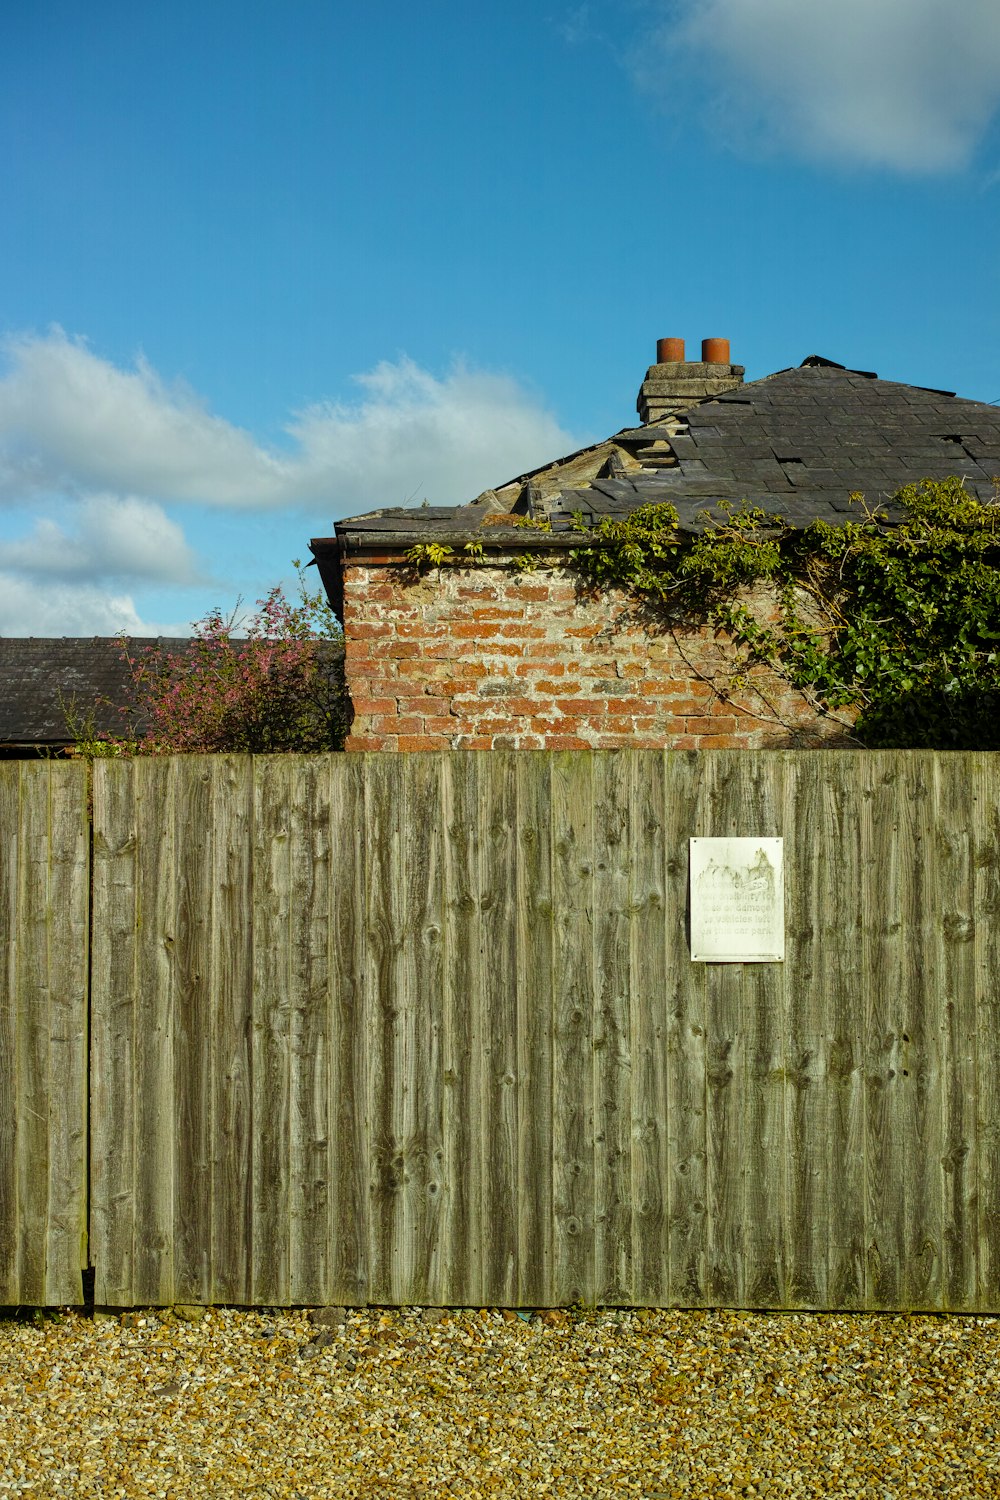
(673, 384)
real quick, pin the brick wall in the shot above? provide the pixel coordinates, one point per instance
(484, 657)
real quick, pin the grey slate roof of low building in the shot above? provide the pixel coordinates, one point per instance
(40, 677)
(796, 443)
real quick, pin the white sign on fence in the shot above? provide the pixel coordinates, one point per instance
(737, 901)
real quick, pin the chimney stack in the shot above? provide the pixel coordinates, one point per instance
(673, 384)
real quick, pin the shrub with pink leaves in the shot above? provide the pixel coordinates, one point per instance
(269, 682)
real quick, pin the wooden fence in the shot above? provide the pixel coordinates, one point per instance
(425, 1029)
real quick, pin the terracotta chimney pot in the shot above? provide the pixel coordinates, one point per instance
(715, 351)
(669, 351)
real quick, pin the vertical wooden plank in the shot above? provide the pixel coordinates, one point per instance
(956, 808)
(499, 1186)
(651, 980)
(67, 896)
(986, 803)
(687, 1041)
(32, 1054)
(725, 813)
(769, 1079)
(271, 1054)
(814, 909)
(614, 844)
(745, 1067)
(462, 987)
(421, 1085)
(154, 938)
(113, 1029)
(385, 811)
(194, 1052)
(917, 941)
(534, 959)
(882, 853)
(349, 1034)
(310, 874)
(231, 1020)
(840, 984)
(573, 1039)
(10, 1083)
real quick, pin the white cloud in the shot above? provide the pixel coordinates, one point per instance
(77, 609)
(73, 423)
(906, 84)
(106, 538)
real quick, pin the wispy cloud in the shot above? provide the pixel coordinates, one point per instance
(909, 85)
(108, 475)
(74, 423)
(80, 609)
(104, 539)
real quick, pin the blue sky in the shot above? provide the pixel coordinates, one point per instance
(263, 265)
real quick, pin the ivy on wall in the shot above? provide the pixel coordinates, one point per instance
(898, 623)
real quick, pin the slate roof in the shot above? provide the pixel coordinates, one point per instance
(797, 443)
(39, 675)
(801, 441)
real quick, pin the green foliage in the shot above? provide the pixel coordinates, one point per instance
(88, 741)
(428, 555)
(898, 623)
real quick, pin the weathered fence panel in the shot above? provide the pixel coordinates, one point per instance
(44, 897)
(405, 1029)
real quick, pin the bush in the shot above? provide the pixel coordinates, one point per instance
(269, 682)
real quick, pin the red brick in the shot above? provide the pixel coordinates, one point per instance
(566, 724)
(370, 742)
(618, 707)
(419, 630)
(719, 742)
(367, 631)
(542, 649)
(477, 632)
(521, 630)
(374, 705)
(422, 742)
(529, 668)
(511, 705)
(712, 724)
(397, 724)
(564, 742)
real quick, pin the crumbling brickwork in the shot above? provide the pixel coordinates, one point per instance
(484, 657)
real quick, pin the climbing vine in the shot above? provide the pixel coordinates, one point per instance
(897, 623)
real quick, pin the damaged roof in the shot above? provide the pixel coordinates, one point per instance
(797, 443)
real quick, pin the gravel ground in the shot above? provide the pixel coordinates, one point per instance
(373, 1403)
